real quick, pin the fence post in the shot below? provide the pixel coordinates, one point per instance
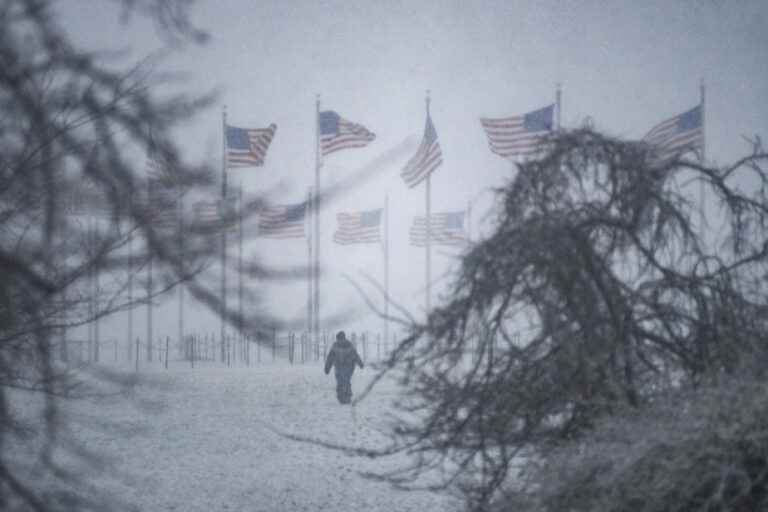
(237, 349)
(274, 342)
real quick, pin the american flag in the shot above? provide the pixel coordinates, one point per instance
(428, 157)
(212, 215)
(358, 227)
(677, 135)
(247, 147)
(337, 133)
(206, 214)
(446, 228)
(282, 221)
(518, 135)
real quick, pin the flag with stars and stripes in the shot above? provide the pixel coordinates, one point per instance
(336, 133)
(677, 135)
(518, 135)
(428, 157)
(358, 227)
(446, 228)
(247, 147)
(282, 221)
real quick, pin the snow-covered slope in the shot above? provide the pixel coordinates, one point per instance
(206, 439)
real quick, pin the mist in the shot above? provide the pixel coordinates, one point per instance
(618, 68)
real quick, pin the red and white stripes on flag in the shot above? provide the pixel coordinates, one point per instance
(446, 228)
(206, 214)
(677, 135)
(428, 157)
(247, 147)
(215, 215)
(358, 227)
(282, 221)
(336, 133)
(206, 211)
(518, 135)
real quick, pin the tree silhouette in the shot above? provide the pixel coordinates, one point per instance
(75, 135)
(604, 300)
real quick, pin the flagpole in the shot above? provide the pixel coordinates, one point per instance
(91, 306)
(240, 259)
(130, 269)
(429, 230)
(310, 275)
(558, 102)
(96, 286)
(317, 217)
(702, 93)
(222, 227)
(149, 282)
(386, 268)
(180, 212)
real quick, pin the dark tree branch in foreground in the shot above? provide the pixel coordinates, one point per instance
(76, 133)
(603, 293)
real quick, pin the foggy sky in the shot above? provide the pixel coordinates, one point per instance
(627, 65)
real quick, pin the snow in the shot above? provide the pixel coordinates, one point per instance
(208, 438)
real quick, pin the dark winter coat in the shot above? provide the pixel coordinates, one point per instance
(343, 357)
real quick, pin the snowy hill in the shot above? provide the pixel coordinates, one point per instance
(206, 439)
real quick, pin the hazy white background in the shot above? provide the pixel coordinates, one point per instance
(627, 65)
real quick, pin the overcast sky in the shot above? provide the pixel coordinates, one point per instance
(627, 65)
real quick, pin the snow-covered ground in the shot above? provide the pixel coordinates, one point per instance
(206, 439)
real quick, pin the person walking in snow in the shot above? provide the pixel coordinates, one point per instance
(343, 357)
